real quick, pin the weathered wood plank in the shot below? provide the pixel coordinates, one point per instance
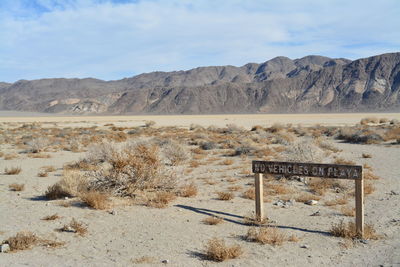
(337, 171)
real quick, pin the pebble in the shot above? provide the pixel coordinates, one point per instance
(317, 213)
(165, 261)
(393, 193)
(113, 212)
(312, 202)
(4, 248)
(70, 229)
(305, 246)
(364, 241)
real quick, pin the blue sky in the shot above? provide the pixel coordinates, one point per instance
(113, 39)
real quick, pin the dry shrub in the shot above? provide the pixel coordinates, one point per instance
(217, 250)
(49, 168)
(293, 238)
(12, 170)
(71, 184)
(188, 190)
(320, 186)
(95, 200)
(304, 197)
(194, 164)
(227, 162)
(144, 260)
(16, 187)
(133, 167)
(214, 220)
(254, 220)
(384, 120)
(51, 217)
(344, 161)
(210, 182)
(225, 196)
(393, 134)
(249, 194)
(277, 189)
(10, 156)
(368, 175)
(160, 199)
(368, 120)
(368, 188)
(26, 240)
(266, 235)
(39, 155)
(327, 146)
(75, 227)
(56, 191)
(175, 152)
(348, 211)
(366, 155)
(42, 174)
(348, 230)
(22, 240)
(82, 165)
(38, 145)
(338, 201)
(234, 188)
(149, 124)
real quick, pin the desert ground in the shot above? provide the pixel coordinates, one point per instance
(179, 191)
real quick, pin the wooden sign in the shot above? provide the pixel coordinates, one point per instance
(336, 171)
(308, 169)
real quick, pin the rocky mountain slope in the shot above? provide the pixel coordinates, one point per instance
(309, 84)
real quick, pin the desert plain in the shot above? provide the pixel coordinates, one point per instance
(179, 191)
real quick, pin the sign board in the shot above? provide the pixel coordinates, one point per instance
(308, 169)
(336, 171)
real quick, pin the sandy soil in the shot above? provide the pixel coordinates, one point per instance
(176, 233)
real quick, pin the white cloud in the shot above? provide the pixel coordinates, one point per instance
(109, 40)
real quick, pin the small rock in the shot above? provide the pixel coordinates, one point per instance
(291, 202)
(66, 198)
(317, 213)
(4, 248)
(165, 261)
(113, 212)
(393, 193)
(311, 202)
(69, 229)
(279, 203)
(305, 246)
(364, 241)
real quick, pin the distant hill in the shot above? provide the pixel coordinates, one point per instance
(308, 84)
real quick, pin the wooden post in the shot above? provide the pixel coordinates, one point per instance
(258, 181)
(360, 206)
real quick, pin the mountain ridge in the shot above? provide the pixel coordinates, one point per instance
(308, 84)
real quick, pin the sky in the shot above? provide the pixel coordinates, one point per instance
(113, 39)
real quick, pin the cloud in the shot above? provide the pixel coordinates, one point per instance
(114, 39)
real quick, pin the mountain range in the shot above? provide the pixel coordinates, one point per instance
(279, 85)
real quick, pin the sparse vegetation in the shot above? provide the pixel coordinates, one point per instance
(266, 235)
(12, 170)
(51, 217)
(225, 195)
(26, 240)
(160, 199)
(95, 200)
(189, 190)
(16, 187)
(348, 230)
(212, 220)
(217, 250)
(75, 227)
